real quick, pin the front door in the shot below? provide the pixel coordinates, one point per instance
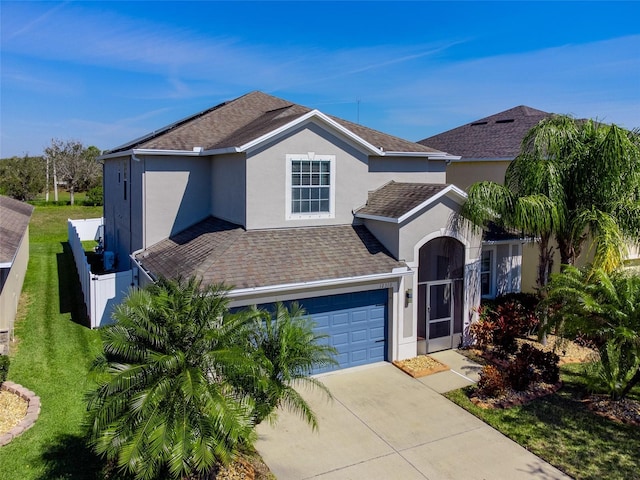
(439, 315)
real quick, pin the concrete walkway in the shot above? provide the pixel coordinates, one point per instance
(384, 424)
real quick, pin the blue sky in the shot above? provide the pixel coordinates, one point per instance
(107, 72)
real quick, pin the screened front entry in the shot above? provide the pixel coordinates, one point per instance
(440, 293)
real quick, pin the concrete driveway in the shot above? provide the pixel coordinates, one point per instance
(383, 424)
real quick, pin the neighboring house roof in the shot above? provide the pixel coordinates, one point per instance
(14, 220)
(495, 137)
(234, 124)
(399, 200)
(219, 251)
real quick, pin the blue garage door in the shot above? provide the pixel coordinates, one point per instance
(356, 325)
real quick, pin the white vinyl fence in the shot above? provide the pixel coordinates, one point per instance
(101, 292)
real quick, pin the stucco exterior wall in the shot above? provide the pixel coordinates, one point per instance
(267, 179)
(387, 234)
(11, 281)
(177, 195)
(117, 209)
(228, 188)
(402, 169)
(436, 218)
(463, 173)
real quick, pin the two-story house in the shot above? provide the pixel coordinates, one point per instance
(484, 149)
(285, 203)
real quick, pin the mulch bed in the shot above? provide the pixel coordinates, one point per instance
(511, 398)
(626, 410)
(13, 409)
(420, 366)
(622, 411)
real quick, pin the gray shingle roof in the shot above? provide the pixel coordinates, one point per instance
(237, 122)
(14, 220)
(496, 136)
(394, 199)
(219, 251)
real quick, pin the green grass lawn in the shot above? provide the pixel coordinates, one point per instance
(561, 430)
(52, 356)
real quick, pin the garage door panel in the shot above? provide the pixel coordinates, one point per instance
(340, 340)
(359, 357)
(376, 333)
(376, 352)
(357, 325)
(340, 320)
(360, 316)
(322, 321)
(342, 359)
(359, 336)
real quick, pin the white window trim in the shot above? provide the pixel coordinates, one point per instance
(332, 187)
(493, 271)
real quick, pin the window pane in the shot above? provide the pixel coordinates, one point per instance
(310, 186)
(486, 261)
(485, 282)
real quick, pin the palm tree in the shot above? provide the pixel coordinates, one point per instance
(163, 407)
(606, 308)
(288, 351)
(571, 179)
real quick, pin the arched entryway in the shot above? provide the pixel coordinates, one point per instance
(441, 293)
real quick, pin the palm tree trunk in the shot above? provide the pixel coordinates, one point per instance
(632, 383)
(545, 261)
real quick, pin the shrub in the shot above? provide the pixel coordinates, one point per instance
(482, 332)
(492, 382)
(94, 196)
(4, 368)
(532, 365)
(503, 320)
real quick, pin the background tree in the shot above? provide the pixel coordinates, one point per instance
(571, 179)
(72, 164)
(22, 178)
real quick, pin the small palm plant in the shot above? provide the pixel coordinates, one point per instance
(163, 408)
(606, 308)
(183, 381)
(288, 351)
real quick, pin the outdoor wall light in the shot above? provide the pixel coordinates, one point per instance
(409, 296)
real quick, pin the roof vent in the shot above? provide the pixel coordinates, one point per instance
(479, 123)
(508, 120)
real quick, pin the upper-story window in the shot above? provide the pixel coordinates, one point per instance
(310, 186)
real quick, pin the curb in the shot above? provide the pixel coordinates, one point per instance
(33, 410)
